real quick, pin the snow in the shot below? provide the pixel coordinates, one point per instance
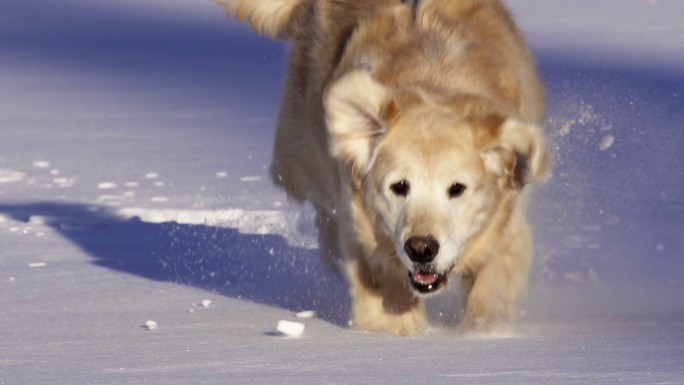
(306, 314)
(136, 139)
(290, 328)
(151, 325)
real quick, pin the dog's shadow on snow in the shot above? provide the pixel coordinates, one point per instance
(260, 268)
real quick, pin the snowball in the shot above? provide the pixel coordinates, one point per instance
(306, 314)
(151, 325)
(290, 329)
(206, 303)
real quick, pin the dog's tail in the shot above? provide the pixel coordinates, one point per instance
(272, 18)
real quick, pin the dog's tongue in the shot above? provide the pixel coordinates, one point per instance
(425, 278)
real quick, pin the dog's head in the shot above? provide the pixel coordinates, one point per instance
(432, 170)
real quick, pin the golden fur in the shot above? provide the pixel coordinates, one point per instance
(438, 95)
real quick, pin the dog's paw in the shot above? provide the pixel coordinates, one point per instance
(410, 323)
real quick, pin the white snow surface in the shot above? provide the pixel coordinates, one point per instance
(136, 135)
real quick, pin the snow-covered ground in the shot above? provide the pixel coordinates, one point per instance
(135, 135)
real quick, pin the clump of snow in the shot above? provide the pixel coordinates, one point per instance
(152, 175)
(64, 182)
(106, 186)
(159, 199)
(37, 264)
(41, 164)
(254, 178)
(221, 174)
(290, 329)
(206, 303)
(151, 325)
(38, 220)
(8, 176)
(306, 314)
(606, 142)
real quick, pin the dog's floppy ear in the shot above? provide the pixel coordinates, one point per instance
(356, 109)
(518, 149)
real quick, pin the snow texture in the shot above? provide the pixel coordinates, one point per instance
(136, 136)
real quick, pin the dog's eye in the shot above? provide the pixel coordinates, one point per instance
(456, 190)
(400, 188)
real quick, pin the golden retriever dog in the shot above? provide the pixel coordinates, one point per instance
(414, 128)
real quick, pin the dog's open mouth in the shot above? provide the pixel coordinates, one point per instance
(426, 281)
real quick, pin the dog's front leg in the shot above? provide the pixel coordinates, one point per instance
(383, 302)
(493, 293)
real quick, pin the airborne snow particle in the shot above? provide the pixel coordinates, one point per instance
(221, 174)
(606, 142)
(159, 199)
(152, 175)
(290, 329)
(150, 325)
(595, 278)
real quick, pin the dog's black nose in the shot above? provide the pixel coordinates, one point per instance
(421, 249)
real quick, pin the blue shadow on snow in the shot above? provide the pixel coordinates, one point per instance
(259, 268)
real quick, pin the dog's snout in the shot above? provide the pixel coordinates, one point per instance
(421, 249)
